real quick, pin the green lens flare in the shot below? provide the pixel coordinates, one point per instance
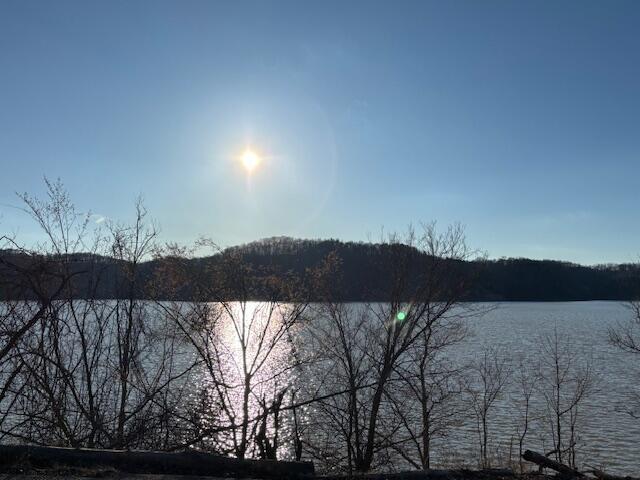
(401, 316)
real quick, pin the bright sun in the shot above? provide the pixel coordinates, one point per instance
(250, 160)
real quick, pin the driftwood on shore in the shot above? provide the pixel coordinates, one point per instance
(546, 462)
(137, 462)
(565, 470)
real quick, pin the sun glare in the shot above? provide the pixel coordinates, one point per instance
(250, 160)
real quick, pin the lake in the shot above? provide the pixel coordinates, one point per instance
(609, 438)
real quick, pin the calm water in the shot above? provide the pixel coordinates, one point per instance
(609, 437)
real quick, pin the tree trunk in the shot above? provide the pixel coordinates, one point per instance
(545, 462)
(185, 463)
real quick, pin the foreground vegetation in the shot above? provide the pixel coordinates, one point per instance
(183, 357)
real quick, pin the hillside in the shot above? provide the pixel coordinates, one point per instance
(363, 270)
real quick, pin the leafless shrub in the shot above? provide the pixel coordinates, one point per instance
(565, 379)
(626, 337)
(92, 372)
(525, 378)
(485, 384)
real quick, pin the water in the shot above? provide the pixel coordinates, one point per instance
(610, 437)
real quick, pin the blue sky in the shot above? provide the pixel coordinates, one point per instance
(521, 120)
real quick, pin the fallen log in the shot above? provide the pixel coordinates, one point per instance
(141, 462)
(546, 462)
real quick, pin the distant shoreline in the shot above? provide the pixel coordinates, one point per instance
(364, 270)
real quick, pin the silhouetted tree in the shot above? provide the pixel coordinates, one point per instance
(526, 383)
(92, 372)
(626, 337)
(366, 344)
(246, 351)
(565, 379)
(485, 385)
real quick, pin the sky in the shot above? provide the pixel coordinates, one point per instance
(519, 120)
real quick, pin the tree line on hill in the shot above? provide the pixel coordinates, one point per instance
(365, 269)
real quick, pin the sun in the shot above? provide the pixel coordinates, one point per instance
(250, 160)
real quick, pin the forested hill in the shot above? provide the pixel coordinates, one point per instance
(363, 267)
(509, 279)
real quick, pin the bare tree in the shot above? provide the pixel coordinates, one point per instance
(526, 382)
(246, 352)
(25, 275)
(565, 379)
(428, 408)
(64, 230)
(93, 372)
(427, 401)
(343, 364)
(367, 344)
(626, 337)
(485, 385)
